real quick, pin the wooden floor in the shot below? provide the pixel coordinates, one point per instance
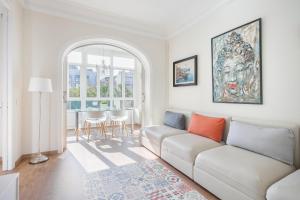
(61, 177)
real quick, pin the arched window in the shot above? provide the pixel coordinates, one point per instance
(103, 77)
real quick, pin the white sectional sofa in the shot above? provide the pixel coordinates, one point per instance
(181, 150)
(228, 171)
(234, 173)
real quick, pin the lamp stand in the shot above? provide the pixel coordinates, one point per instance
(39, 158)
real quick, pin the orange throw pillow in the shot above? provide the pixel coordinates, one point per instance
(209, 127)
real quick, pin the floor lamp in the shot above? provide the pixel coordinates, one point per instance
(40, 85)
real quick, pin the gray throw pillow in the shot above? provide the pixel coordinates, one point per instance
(175, 120)
(277, 143)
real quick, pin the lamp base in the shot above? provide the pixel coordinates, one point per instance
(39, 158)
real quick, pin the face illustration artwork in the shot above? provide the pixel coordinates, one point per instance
(236, 65)
(235, 68)
(234, 76)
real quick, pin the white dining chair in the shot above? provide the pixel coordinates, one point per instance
(97, 118)
(118, 118)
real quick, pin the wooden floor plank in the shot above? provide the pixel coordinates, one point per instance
(61, 178)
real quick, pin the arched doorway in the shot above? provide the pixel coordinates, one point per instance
(144, 93)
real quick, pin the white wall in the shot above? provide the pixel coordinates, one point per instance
(15, 80)
(280, 59)
(44, 39)
(16, 77)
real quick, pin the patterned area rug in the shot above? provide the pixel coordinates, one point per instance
(145, 180)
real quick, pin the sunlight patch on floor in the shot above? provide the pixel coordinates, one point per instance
(71, 139)
(106, 146)
(143, 152)
(117, 158)
(87, 160)
(130, 142)
(117, 139)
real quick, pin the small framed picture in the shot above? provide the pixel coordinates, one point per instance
(185, 72)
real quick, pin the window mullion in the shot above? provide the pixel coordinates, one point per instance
(68, 82)
(134, 87)
(111, 87)
(123, 88)
(98, 82)
(83, 80)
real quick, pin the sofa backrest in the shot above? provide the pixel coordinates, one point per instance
(268, 123)
(188, 115)
(293, 127)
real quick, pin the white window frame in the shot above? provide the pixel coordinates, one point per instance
(83, 82)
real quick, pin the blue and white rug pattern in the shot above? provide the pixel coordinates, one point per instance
(148, 180)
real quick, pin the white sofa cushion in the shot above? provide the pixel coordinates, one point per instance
(152, 136)
(277, 143)
(248, 172)
(287, 188)
(157, 133)
(280, 124)
(187, 146)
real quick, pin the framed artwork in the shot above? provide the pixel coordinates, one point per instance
(236, 65)
(185, 72)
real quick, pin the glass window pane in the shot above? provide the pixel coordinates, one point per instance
(124, 63)
(93, 60)
(117, 105)
(74, 81)
(128, 83)
(92, 105)
(74, 57)
(117, 83)
(91, 79)
(104, 104)
(104, 82)
(99, 60)
(105, 61)
(128, 104)
(74, 105)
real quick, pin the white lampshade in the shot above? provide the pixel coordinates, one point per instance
(40, 85)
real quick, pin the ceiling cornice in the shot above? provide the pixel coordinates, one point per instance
(5, 3)
(21, 2)
(203, 15)
(89, 16)
(73, 11)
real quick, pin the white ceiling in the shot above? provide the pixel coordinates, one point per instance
(159, 18)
